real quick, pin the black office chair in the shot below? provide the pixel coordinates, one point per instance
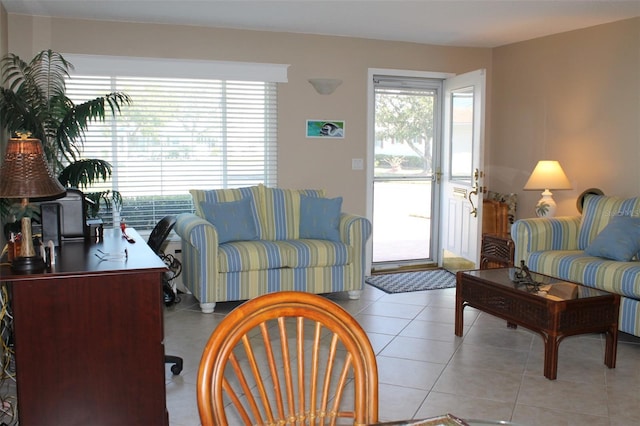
(155, 241)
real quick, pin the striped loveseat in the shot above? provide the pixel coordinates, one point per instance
(287, 250)
(576, 249)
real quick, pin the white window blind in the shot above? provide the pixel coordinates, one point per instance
(180, 134)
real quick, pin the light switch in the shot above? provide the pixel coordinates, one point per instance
(357, 164)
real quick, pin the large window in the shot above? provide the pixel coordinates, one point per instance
(180, 134)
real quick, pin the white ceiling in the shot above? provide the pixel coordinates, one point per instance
(472, 23)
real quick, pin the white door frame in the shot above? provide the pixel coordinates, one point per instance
(370, 161)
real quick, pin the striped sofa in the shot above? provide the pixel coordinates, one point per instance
(278, 259)
(556, 247)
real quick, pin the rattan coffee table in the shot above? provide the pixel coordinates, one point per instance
(558, 310)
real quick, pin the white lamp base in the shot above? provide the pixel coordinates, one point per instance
(546, 207)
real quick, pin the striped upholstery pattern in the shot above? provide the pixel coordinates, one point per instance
(551, 246)
(241, 270)
(538, 234)
(597, 212)
(280, 212)
(622, 278)
(247, 255)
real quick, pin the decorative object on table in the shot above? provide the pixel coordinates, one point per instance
(330, 129)
(24, 174)
(404, 282)
(325, 86)
(522, 276)
(546, 176)
(33, 98)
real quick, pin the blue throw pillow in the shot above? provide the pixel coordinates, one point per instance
(320, 218)
(619, 240)
(234, 220)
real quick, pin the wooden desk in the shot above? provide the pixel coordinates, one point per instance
(89, 337)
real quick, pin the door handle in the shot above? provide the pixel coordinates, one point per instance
(474, 209)
(474, 191)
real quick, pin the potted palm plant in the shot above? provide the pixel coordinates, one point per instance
(33, 99)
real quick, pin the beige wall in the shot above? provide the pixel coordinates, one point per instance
(572, 97)
(301, 162)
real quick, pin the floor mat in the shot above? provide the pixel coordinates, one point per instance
(412, 281)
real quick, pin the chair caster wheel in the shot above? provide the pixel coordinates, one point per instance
(176, 369)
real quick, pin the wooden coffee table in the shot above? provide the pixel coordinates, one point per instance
(553, 314)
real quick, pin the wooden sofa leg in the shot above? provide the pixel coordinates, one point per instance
(354, 294)
(207, 308)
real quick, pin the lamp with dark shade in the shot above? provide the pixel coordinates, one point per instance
(546, 176)
(24, 174)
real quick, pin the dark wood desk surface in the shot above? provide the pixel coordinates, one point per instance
(89, 336)
(80, 257)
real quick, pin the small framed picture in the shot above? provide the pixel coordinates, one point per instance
(332, 129)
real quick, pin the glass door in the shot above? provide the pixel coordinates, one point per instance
(406, 128)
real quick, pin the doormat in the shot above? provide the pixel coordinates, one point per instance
(403, 282)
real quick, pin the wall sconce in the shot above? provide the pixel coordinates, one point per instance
(325, 86)
(547, 175)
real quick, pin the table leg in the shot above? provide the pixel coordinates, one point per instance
(459, 316)
(551, 344)
(611, 347)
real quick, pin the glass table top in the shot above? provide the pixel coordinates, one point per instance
(537, 284)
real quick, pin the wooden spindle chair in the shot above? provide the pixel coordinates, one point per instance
(288, 358)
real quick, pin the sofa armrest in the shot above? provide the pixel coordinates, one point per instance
(199, 254)
(196, 231)
(355, 231)
(538, 234)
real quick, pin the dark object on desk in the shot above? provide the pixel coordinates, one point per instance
(65, 218)
(157, 237)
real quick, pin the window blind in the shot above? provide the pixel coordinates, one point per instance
(179, 134)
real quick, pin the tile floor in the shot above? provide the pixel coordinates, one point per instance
(492, 372)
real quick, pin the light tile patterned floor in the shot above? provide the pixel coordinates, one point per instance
(492, 372)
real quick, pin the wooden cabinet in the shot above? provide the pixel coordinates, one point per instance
(89, 336)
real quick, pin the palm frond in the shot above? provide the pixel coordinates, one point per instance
(70, 132)
(48, 71)
(14, 71)
(82, 173)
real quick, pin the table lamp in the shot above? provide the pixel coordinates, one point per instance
(25, 174)
(546, 176)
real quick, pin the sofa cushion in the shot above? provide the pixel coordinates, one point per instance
(575, 265)
(252, 255)
(234, 220)
(320, 218)
(311, 253)
(598, 210)
(255, 255)
(619, 240)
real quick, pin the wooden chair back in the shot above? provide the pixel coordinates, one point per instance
(288, 358)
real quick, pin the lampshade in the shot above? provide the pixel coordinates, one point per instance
(547, 175)
(25, 173)
(325, 86)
